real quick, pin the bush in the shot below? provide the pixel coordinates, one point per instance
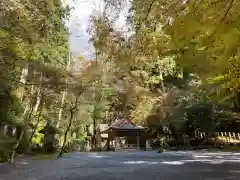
(98, 149)
(74, 145)
(24, 143)
(236, 148)
(4, 156)
(196, 142)
(6, 144)
(173, 143)
(160, 150)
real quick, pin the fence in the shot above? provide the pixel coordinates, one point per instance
(7, 130)
(231, 137)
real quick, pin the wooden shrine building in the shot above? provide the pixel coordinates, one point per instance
(124, 134)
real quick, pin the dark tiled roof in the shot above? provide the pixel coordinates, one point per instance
(125, 124)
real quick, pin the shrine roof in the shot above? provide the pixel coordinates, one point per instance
(125, 124)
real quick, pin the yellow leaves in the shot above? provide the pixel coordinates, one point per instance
(57, 3)
(216, 79)
(80, 58)
(143, 109)
(230, 40)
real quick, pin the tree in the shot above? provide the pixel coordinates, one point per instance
(72, 110)
(165, 55)
(33, 51)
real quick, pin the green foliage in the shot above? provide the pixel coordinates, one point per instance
(201, 116)
(191, 47)
(33, 48)
(179, 63)
(4, 156)
(24, 143)
(38, 137)
(6, 144)
(177, 117)
(75, 145)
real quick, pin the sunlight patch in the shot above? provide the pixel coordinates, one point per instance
(173, 162)
(22, 162)
(197, 160)
(219, 157)
(95, 155)
(216, 162)
(134, 162)
(201, 156)
(232, 171)
(140, 162)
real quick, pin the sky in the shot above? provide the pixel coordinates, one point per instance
(78, 24)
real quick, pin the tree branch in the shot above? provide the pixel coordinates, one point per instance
(223, 18)
(228, 10)
(146, 16)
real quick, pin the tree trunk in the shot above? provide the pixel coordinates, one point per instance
(39, 94)
(61, 108)
(72, 111)
(12, 158)
(38, 106)
(35, 109)
(94, 139)
(35, 127)
(65, 134)
(64, 94)
(23, 80)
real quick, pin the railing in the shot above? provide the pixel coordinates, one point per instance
(130, 146)
(231, 137)
(127, 147)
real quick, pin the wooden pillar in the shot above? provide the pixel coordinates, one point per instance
(238, 136)
(2, 129)
(117, 144)
(5, 130)
(138, 140)
(88, 146)
(148, 145)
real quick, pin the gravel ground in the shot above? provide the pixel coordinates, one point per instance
(197, 165)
